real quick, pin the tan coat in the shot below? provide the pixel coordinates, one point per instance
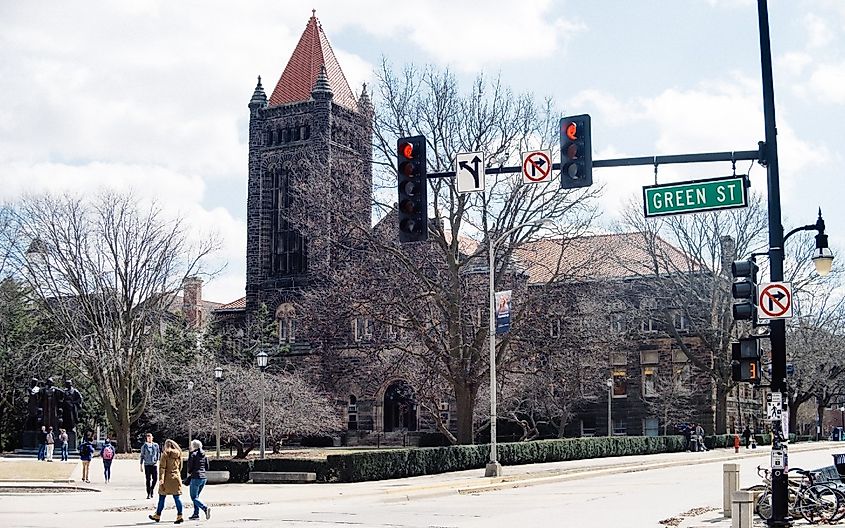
(169, 473)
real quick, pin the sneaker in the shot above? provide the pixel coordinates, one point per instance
(207, 513)
(194, 518)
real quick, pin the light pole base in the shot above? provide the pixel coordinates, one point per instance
(493, 469)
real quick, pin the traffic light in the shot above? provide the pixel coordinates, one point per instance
(413, 189)
(744, 289)
(576, 158)
(745, 360)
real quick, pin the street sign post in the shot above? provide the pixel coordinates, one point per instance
(537, 166)
(774, 300)
(469, 172)
(695, 196)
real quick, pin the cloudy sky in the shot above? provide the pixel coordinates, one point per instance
(152, 94)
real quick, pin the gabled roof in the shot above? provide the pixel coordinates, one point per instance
(236, 305)
(312, 52)
(613, 256)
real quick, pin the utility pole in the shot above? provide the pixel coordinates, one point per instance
(777, 327)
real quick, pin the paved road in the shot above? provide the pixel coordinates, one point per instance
(595, 493)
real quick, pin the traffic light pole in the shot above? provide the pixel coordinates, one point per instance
(777, 327)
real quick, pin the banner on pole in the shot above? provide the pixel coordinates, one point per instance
(503, 312)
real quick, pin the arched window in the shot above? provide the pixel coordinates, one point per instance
(352, 413)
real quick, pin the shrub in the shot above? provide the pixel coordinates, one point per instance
(399, 463)
(238, 469)
(317, 441)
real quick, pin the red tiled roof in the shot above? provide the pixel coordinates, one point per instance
(312, 52)
(239, 304)
(615, 256)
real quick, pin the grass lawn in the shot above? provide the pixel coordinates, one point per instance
(17, 470)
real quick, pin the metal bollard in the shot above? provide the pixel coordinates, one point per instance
(730, 483)
(742, 505)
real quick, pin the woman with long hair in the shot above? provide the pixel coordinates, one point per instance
(169, 479)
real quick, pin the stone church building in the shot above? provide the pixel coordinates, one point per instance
(313, 114)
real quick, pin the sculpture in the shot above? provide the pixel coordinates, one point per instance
(51, 404)
(34, 416)
(72, 405)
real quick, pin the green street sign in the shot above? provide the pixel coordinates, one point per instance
(695, 196)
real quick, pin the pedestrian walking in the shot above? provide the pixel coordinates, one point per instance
(107, 454)
(86, 451)
(150, 455)
(699, 433)
(51, 443)
(42, 443)
(63, 444)
(746, 436)
(169, 479)
(197, 466)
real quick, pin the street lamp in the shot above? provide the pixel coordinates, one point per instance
(494, 468)
(822, 256)
(842, 420)
(609, 383)
(218, 378)
(262, 365)
(190, 410)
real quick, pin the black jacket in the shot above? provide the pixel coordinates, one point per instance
(197, 464)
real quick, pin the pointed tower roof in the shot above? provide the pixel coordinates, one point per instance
(312, 52)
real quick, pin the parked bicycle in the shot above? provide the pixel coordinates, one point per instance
(815, 502)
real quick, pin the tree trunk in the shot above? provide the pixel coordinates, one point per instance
(793, 418)
(721, 418)
(122, 428)
(465, 401)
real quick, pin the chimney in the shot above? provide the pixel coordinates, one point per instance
(191, 298)
(728, 248)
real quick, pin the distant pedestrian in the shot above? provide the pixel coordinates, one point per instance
(197, 466)
(42, 443)
(51, 443)
(86, 451)
(170, 479)
(687, 432)
(699, 436)
(63, 444)
(107, 454)
(150, 455)
(746, 436)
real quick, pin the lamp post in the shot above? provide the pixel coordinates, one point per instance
(262, 365)
(494, 468)
(190, 410)
(842, 420)
(218, 378)
(609, 383)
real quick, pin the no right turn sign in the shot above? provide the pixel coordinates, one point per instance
(774, 300)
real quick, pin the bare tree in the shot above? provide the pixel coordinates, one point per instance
(690, 276)
(106, 272)
(293, 406)
(434, 294)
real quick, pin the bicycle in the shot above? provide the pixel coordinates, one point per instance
(814, 502)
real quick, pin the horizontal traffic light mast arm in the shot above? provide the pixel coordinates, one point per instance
(704, 157)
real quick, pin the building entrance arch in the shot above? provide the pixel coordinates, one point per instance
(400, 407)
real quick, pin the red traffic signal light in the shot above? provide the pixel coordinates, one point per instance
(576, 159)
(412, 189)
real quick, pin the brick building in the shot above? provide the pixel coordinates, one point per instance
(313, 123)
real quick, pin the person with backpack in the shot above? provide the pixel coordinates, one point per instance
(63, 444)
(86, 450)
(150, 455)
(107, 454)
(197, 466)
(170, 479)
(51, 443)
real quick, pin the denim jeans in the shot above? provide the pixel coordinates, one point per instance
(42, 451)
(107, 469)
(176, 498)
(64, 452)
(196, 488)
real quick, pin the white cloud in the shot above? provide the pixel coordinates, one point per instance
(827, 82)
(818, 31)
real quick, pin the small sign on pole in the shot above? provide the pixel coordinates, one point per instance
(774, 300)
(469, 172)
(537, 166)
(503, 312)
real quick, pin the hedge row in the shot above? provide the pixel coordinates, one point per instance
(400, 463)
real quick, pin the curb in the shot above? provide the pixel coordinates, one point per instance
(527, 479)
